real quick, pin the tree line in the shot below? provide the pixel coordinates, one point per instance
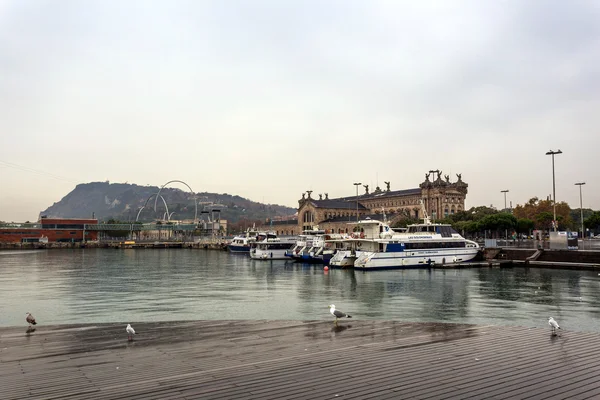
(535, 214)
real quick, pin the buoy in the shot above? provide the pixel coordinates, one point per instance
(326, 268)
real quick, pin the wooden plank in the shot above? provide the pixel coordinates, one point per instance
(296, 360)
(500, 374)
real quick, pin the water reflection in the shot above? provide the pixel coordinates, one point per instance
(110, 285)
(338, 328)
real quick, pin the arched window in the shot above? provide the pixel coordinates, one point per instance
(308, 217)
(308, 220)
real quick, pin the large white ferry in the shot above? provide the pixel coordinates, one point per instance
(422, 245)
(377, 246)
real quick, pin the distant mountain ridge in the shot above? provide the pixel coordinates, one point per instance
(122, 201)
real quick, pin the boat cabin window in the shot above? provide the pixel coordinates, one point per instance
(420, 228)
(446, 231)
(434, 245)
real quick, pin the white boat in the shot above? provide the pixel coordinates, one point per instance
(301, 249)
(421, 245)
(271, 249)
(324, 247)
(241, 243)
(343, 258)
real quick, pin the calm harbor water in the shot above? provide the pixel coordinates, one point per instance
(109, 285)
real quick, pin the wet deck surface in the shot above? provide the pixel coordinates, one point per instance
(297, 360)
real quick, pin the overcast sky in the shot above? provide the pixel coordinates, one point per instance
(267, 99)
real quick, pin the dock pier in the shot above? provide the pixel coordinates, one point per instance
(361, 359)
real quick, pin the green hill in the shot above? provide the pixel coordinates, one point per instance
(123, 201)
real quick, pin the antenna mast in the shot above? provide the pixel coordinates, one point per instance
(425, 215)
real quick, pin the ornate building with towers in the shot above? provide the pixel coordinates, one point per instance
(440, 196)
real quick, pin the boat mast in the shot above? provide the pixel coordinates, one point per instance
(426, 219)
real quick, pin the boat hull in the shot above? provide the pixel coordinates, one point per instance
(238, 248)
(272, 254)
(342, 259)
(414, 259)
(322, 259)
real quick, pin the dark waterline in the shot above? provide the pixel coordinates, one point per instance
(106, 285)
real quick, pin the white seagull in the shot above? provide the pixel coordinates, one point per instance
(553, 324)
(337, 313)
(130, 332)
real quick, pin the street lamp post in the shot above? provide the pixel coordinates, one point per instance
(504, 191)
(357, 184)
(552, 153)
(580, 184)
(506, 230)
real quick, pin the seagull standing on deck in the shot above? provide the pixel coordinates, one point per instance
(553, 324)
(337, 313)
(130, 332)
(30, 320)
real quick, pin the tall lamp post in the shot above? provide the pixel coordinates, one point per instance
(357, 184)
(552, 153)
(504, 191)
(580, 184)
(506, 230)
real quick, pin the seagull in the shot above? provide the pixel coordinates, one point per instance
(553, 324)
(337, 313)
(30, 320)
(130, 332)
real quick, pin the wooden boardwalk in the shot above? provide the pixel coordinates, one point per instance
(297, 360)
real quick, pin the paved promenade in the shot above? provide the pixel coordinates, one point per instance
(297, 360)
